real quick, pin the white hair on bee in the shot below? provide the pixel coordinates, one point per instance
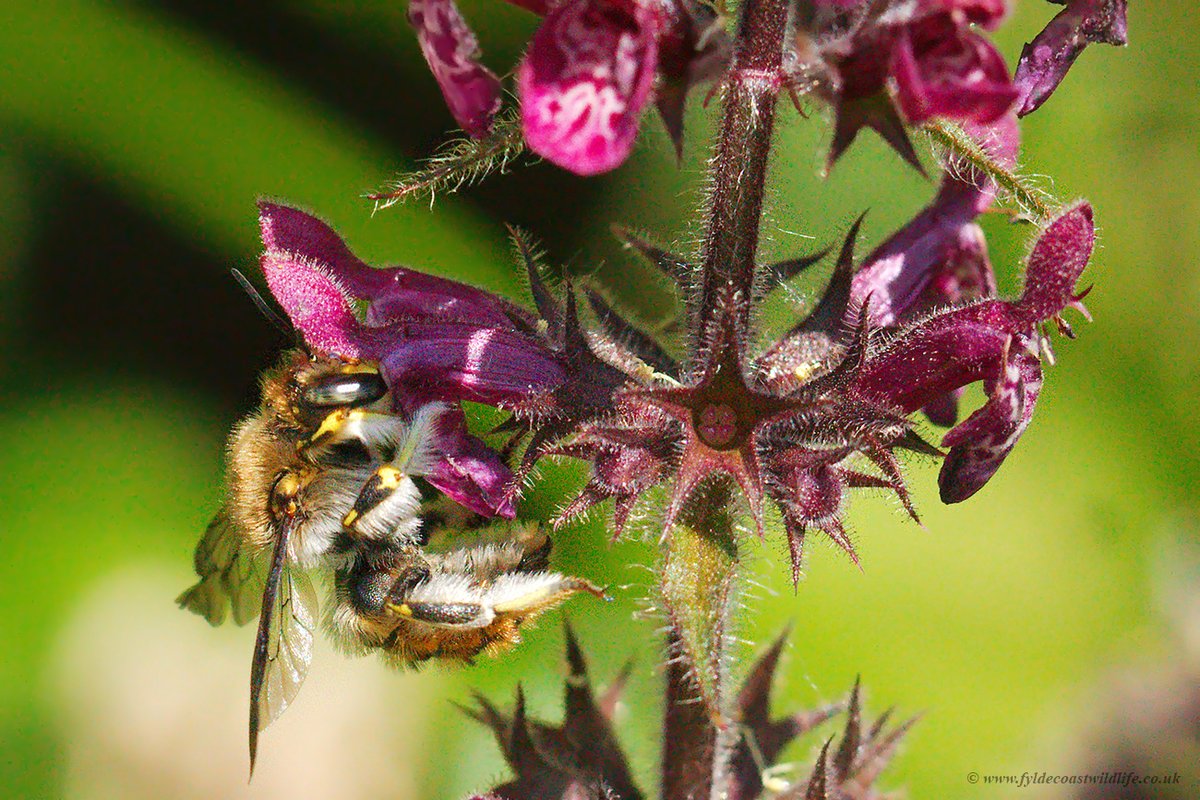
(484, 562)
(396, 517)
(446, 588)
(326, 499)
(516, 592)
(417, 451)
(376, 431)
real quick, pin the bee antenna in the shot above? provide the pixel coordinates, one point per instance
(274, 317)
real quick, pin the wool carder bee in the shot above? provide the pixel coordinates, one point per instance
(320, 480)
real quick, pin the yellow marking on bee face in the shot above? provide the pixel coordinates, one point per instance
(334, 422)
(349, 519)
(389, 477)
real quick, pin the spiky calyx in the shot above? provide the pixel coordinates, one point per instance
(823, 410)
(581, 759)
(577, 760)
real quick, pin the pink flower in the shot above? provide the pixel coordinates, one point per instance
(434, 339)
(471, 90)
(587, 77)
(911, 63)
(590, 71)
(1045, 61)
(943, 69)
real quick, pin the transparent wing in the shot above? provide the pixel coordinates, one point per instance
(232, 575)
(283, 647)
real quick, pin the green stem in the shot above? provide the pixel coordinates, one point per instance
(1022, 191)
(463, 162)
(699, 576)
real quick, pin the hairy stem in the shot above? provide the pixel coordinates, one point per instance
(1024, 193)
(698, 583)
(739, 170)
(699, 573)
(689, 737)
(463, 162)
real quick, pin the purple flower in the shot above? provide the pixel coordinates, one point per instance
(940, 257)
(472, 91)
(587, 77)
(912, 63)
(943, 69)
(435, 340)
(790, 423)
(590, 71)
(795, 423)
(994, 341)
(1045, 61)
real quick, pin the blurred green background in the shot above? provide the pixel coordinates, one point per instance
(134, 140)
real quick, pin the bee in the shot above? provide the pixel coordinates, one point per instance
(321, 479)
(412, 604)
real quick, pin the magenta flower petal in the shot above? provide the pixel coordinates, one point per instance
(1057, 260)
(291, 230)
(942, 249)
(317, 305)
(1045, 61)
(943, 69)
(469, 472)
(980, 444)
(938, 355)
(994, 341)
(587, 76)
(458, 361)
(436, 339)
(471, 90)
(394, 292)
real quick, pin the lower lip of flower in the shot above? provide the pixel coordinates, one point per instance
(717, 425)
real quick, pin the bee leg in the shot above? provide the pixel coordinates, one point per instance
(449, 615)
(406, 581)
(389, 499)
(387, 505)
(542, 591)
(373, 590)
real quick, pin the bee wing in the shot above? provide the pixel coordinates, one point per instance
(232, 575)
(283, 646)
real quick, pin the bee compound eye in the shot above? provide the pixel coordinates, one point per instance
(345, 389)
